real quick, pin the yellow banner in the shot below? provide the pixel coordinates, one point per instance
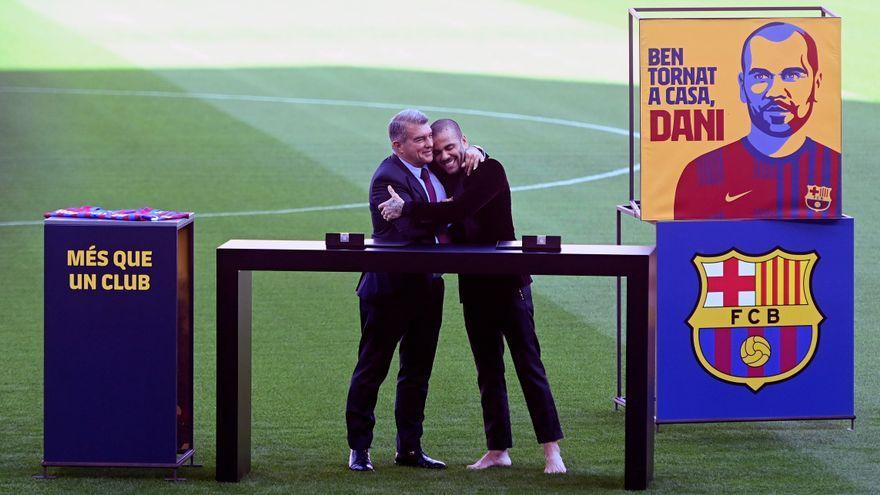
(740, 118)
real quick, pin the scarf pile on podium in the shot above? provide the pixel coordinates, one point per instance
(145, 214)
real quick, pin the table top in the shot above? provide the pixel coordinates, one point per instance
(295, 255)
(320, 246)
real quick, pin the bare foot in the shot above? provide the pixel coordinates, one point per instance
(492, 458)
(553, 459)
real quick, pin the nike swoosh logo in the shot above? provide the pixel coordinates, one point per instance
(731, 199)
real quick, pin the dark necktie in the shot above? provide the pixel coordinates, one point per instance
(442, 237)
(426, 178)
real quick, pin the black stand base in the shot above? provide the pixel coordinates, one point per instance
(174, 478)
(851, 419)
(44, 475)
(182, 459)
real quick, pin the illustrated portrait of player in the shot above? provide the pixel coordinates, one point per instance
(776, 170)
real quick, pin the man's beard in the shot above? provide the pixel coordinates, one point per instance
(794, 125)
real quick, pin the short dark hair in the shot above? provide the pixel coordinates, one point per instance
(446, 125)
(781, 31)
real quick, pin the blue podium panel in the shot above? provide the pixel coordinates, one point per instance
(118, 342)
(754, 320)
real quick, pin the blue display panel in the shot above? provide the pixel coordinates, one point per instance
(117, 342)
(755, 320)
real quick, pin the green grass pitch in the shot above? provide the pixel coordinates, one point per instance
(120, 104)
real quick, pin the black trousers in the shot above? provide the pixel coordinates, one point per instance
(413, 320)
(492, 315)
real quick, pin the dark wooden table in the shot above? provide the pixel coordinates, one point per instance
(236, 259)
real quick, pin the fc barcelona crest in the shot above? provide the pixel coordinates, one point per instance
(755, 322)
(818, 198)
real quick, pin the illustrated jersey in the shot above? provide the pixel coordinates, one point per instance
(738, 181)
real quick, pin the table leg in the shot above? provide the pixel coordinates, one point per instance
(639, 468)
(233, 371)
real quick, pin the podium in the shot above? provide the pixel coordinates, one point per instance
(755, 293)
(118, 340)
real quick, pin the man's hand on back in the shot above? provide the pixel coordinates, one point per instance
(393, 208)
(473, 157)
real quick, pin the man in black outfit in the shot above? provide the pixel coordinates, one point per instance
(496, 308)
(403, 308)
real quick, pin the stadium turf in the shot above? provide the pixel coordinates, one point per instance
(122, 106)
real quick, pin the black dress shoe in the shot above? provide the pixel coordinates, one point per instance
(359, 460)
(418, 458)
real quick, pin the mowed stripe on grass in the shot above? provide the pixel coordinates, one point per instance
(333, 103)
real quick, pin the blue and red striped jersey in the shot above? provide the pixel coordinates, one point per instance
(738, 181)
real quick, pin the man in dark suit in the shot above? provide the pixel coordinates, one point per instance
(403, 308)
(496, 308)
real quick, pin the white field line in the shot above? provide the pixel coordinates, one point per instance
(329, 102)
(348, 206)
